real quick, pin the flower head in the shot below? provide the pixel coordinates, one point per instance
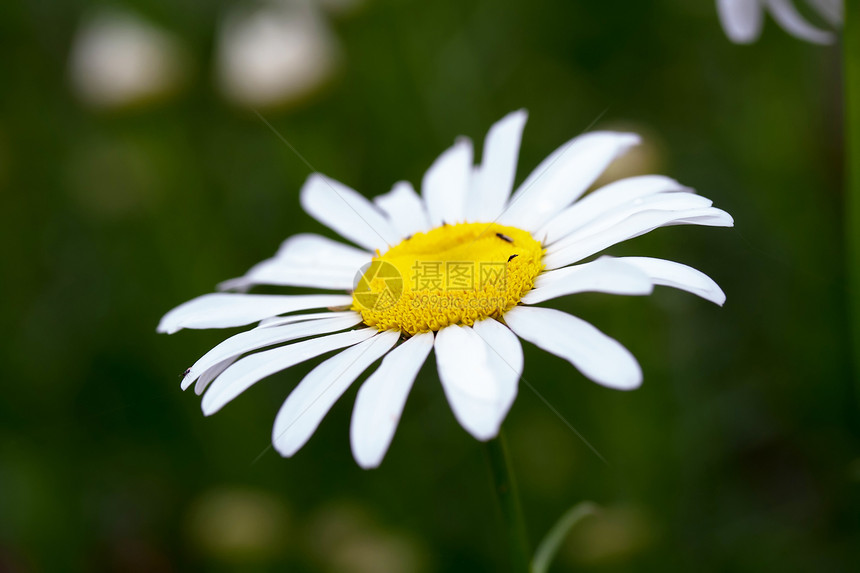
(743, 19)
(455, 271)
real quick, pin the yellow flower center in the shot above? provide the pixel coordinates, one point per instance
(454, 274)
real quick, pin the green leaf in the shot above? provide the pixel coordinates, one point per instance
(551, 543)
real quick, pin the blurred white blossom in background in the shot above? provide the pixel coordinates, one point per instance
(119, 60)
(275, 53)
(743, 19)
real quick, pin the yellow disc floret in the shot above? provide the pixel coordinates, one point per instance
(454, 274)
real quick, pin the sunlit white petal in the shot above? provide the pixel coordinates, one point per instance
(306, 260)
(347, 212)
(446, 184)
(209, 375)
(599, 357)
(603, 200)
(261, 337)
(494, 178)
(563, 177)
(664, 202)
(311, 400)
(478, 382)
(381, 398)
(633, 226)
(223, 310)
(249, 370)
(291, 318)
(404, 209)
(677, 275)
(603, 275)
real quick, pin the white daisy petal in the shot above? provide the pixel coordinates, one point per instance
(251, 369)
(677, 275)
(404, 209)
(714, 218)
(261, 337)
(446, 184)
(311, 400)
(603, 200)
(599, 357)
(347, 212)
(381, 399)
(784, 12)
(742, 19)
(606, 274)
(209, 375)
(633, 226)
(479, 384)
(274, 272)
(223, 310)
(663, 202)
(505, 356)
(563, 177)
(290, 319)
(494, 178)
(306, 260)
(308, 248)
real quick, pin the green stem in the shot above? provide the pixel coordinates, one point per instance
(506, 492)
(851, 62)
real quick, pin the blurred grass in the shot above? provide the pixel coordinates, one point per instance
(736, 454)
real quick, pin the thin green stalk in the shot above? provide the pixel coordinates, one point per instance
(851, 63)
(509, 503)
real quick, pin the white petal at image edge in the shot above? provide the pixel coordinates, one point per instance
(311, 400)
(479, 386)
(381, 399)
(599, 357)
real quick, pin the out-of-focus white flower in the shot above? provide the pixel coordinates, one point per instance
(743, 19)
(456, 272)
(274, 54)
(118, 60)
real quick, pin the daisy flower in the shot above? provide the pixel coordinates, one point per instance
(743, 19)
(456, 270)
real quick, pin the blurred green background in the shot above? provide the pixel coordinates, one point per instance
(739, 453)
